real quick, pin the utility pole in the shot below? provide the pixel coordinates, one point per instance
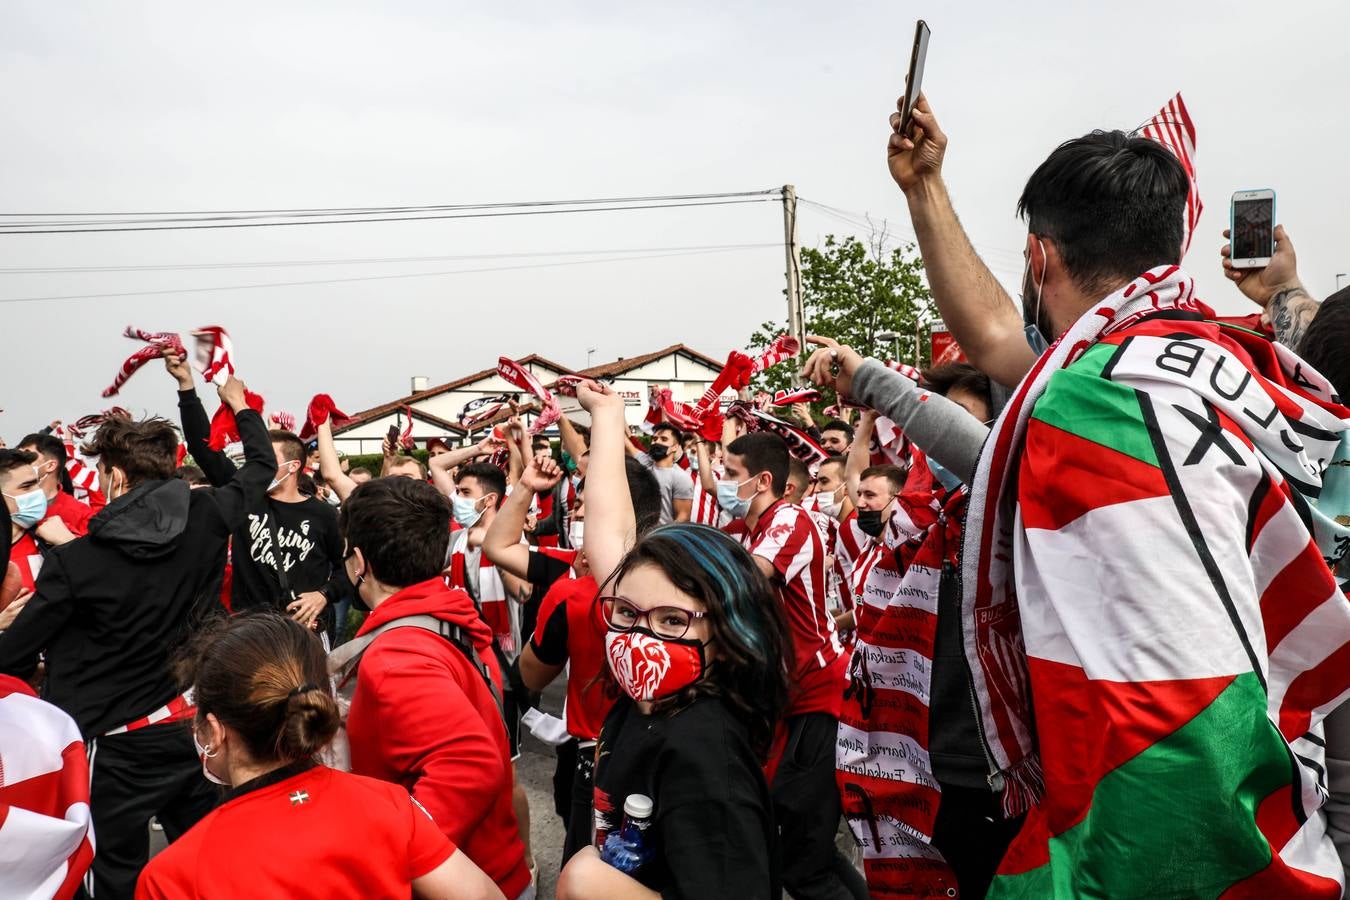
(796, 314)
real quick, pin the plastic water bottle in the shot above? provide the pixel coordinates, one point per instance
(624, 849)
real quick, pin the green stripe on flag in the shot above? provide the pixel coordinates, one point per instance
(1078, 400)
(1178, 819)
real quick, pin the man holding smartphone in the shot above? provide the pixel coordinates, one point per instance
(1101, 576)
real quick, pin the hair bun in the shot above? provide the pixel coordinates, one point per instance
(311, 720)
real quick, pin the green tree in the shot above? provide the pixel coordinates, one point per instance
(853, 291)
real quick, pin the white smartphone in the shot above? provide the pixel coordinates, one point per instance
(1252, 227)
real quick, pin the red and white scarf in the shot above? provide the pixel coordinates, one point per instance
(883, 769)
(510, 370)
(215, 354)
(158, 342)
(471, 571)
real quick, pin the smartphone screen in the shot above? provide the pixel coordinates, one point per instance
(914, 83)
(1254, 228)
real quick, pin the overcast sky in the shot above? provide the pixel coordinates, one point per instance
(138, 106)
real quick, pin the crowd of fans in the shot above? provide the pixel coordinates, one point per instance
(1066, 619)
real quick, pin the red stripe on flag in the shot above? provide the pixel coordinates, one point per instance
(1072, 466)
(1300, 587)
(1316, 687)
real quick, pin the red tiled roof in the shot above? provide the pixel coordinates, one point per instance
(620, 366)
(417, 414)
(384, 409)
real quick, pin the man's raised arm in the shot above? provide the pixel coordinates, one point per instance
(981, 316)
(502, 543)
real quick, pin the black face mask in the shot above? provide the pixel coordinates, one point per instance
(869, 522)
(658, 452)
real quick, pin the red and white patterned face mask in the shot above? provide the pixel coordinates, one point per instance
(648, 667)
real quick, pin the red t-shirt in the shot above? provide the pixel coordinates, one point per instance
(790, 541)
(320, 833)
(24, 554)
(570, 628)
(73, 513)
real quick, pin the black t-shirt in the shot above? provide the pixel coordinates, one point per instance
(712, 828)
(310, 552)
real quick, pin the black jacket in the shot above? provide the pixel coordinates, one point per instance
(112, 608)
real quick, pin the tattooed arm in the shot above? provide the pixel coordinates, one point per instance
(1289, 312)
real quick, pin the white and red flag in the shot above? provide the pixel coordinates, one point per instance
(1172, 127)
(46, 834)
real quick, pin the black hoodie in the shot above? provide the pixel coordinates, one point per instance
(113, 607)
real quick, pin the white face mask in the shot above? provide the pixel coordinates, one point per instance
(277, 482)
(575, 531)
(829, 503)
(204, 754)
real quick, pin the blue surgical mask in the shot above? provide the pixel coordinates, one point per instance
(32, 506)
(729, 500)
(944, 477)
(1036, 338)
(465, 511)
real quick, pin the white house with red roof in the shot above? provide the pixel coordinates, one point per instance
(436, 410)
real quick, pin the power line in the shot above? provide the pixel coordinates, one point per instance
(269, 264)
(394, 214)
(246, 287)
(356, 210)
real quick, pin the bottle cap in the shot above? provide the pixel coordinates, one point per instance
(638, 806)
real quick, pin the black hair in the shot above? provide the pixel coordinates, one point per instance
(798, 472)
(13, 459)
(191, 474)
(893, 474)
(292, 448)
(490, 478)
(835, 460)
(401, 526)
(265, 676)
(46, 445)
(838, 425)
(53, 446)
(1113, 204)
(645, 492)
(1326, 344)
(746, 623)
(674, 432)
(958, 376)
(146, 450)
(764, 452)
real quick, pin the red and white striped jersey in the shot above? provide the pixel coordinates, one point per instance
(786, 536)
(704, 510)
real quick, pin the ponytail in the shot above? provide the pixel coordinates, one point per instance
(266, 677)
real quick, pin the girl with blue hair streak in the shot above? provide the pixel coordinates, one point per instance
(697, 652)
